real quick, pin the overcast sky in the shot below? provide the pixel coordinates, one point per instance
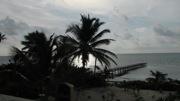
(138, 26)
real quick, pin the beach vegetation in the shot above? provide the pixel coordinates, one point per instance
(43, 62)
(2, 36)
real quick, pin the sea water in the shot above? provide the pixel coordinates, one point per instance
(164, 62)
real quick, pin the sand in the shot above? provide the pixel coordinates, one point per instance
(12, 98)
(105, 94)
(118, 94)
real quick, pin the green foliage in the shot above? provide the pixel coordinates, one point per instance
(80, 77)
(14, 82)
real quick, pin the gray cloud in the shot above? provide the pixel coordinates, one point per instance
(11, 27)
(162, 31)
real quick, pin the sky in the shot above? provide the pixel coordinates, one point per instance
(138, 26)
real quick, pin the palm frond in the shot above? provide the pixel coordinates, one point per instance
(95, 26)
(99, 35)
(101, 42)
(75, 55)
(106, 56)
(101, 58)
(72, 41)
(19, 56)
(106, 52)
(75, 29)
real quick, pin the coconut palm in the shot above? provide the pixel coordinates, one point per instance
(158, 76)
(157, 79)
(38, 58)
(40, 49)
(87, 39)
(2, 37)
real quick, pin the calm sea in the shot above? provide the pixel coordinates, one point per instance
(165, 62)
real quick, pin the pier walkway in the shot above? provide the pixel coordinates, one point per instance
(119, 71)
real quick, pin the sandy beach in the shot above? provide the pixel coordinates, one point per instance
(118, 94)
(106, 94)
(12, 98)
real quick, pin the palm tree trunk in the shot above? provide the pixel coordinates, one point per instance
(83, 66)
(95, 65)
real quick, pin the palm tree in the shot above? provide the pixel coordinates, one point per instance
(41, 55)
(40, 50)
(158, 76)
(87, 39)
(2, 37)
(157, 79)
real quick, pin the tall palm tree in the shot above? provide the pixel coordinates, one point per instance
(40, 50)
(2, 37)
(87, 39)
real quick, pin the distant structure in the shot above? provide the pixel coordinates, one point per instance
(65, 92)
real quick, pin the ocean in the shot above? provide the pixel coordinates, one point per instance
(165, 62)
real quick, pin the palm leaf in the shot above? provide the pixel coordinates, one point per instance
(19, 56)
(101, 58)
(75, 29)
(101, 42)
(99, 35)
(106, 52)
(106, 56)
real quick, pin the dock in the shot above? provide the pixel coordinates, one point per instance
(119, 71)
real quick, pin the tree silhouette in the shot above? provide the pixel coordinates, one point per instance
(40, 49)
(63, 50)
(157, 79)
(19, 57)
(158, 76)
(86, 39)
(2, 37)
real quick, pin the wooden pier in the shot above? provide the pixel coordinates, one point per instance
(119, 71)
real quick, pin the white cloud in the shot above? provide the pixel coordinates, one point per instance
(95, 6)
